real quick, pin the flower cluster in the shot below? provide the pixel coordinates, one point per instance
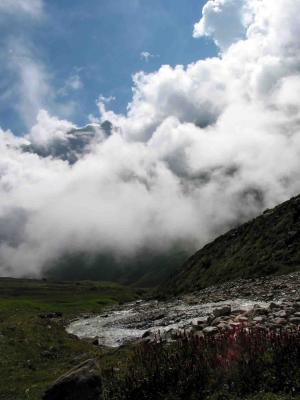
(240, 362)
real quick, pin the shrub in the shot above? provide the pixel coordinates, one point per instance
(240, 362)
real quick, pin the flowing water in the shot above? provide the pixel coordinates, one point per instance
(129, 322)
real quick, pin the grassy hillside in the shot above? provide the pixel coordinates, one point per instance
(146, 269)
(269, 244)
(34, 347)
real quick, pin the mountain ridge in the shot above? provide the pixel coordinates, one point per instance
(267, 245)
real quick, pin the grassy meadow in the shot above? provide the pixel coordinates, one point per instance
(34, 349)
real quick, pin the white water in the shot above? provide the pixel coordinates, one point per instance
(130, 321)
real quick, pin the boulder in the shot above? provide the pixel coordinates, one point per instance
(279, 321)
(295, 320)
(259, 319)
(297, 314)
(241, 318)
(209, 330)
(280, 314)
(258, 311)
(273, 306)
(222, 326)
(222, 312)
(81, 383)
(51, 315)
(238, 311)
(216, 321)
(200, 321)
(95, 341)
(147, 334)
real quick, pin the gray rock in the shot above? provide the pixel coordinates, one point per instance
(290, 311)
(259, 319)
(223, 326)
(200, 321)
(297, 314)
(279, 321)
(81, 383)
(257, 311)
(274, 306)
(222, 312)
(210, 330)
(238, 312)
(216, 321)
(241, 318)
(295, 320)
(280, 314)
(146, 334)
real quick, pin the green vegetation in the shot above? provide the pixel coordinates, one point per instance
(229, 366)
(35, 349)
(267, 245)
(146, 269)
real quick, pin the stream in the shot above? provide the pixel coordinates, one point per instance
(128, 323)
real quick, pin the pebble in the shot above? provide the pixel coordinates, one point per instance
(279, 321)
(210, 329)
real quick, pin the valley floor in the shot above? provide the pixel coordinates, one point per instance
(36, 349)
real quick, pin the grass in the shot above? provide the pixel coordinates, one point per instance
(267, 245)
(35, 351)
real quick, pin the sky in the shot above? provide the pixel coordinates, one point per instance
(83, 50)
(204, 132)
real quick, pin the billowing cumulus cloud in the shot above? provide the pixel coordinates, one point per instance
(225, 21)
(201, 148)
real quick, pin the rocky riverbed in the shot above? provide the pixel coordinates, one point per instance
(266, 303)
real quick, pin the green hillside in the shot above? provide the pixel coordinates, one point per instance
(146, 269)
(269, 244)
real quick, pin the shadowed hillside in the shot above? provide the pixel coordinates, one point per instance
(269, 244)
(146, 269)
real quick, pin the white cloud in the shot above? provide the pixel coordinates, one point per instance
(30, 84)
(32, 8)
(72, 84)
(48, 129)
(146, 56)
(225, 21)
(30, 81)
(201, 148)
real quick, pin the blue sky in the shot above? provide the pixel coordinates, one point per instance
(85, 49)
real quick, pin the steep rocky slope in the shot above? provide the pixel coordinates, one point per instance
(267, 245)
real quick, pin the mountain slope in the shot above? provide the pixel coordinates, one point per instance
(146, 269)
(269, 244)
